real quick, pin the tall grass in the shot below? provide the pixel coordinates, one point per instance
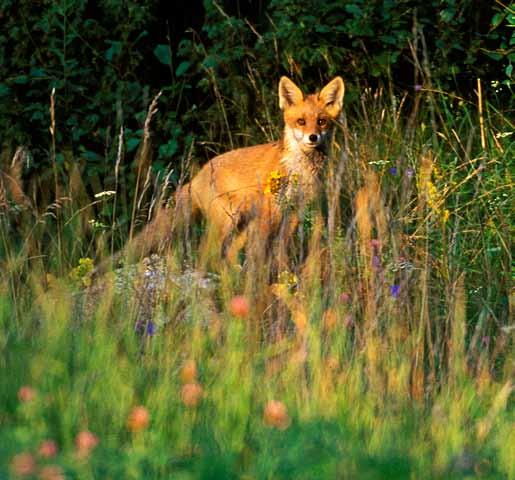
(385, 342)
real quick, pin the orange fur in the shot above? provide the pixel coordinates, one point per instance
(231, 190)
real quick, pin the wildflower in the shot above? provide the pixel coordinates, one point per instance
(276, 415)
(395, 290)
(349, 321)
(83, 272)
(191, 394)
(150, 328)
(376, 262)
(239, 306)
(393, 171)
(138, 419)
(145, 328)
(375, 244)
(410, 172)
(51, 472)
(85, 442)
(274, 183)
(48, 449)
(417, 88)
(26, 394)
(188, 372)
(289, 279)
(23, 464)
(345, 297)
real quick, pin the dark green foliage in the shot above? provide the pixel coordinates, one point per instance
(105, 66)
(107, 60)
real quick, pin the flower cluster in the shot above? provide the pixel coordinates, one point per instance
(274, 183)
(434, 197)
(288, 279)
(83, 272)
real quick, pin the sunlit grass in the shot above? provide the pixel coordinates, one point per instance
(383, 351)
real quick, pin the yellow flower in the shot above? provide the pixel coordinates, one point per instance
(288, 278)
(274, 182)
(83, 271)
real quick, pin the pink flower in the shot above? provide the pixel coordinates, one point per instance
(23, 464)
(276, 415)
(51, 472)
(345, 297)
(375, 243)
(26, 394)
(138, 419)
(85, 442)
(239, 306)
(191, 394)
(48, 449)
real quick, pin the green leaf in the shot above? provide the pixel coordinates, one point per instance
(21, 79)
(37, 73)
(182, 68)
(354, 10)
(132, 143)
(4, 89)
(162, 52)
(168, 149)
(498, 18)
(113, 51)
(210, 62)
(509, 70)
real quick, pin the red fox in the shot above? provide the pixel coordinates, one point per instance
(250, 188)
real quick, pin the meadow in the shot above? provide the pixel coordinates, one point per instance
(383, 351)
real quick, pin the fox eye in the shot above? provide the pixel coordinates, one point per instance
(322, 122)
(301, 122)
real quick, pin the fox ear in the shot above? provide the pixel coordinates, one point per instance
(332, 96)
(289, 93)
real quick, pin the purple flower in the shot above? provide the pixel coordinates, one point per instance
(393, 170)
(410, 172)
(150, 329)
(376, 262)
(395, 290)
(417, 88)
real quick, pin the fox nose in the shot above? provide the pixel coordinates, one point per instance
(313, 138)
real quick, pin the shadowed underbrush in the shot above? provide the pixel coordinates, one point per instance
(384, 350)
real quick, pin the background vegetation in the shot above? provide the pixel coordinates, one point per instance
(386, 349)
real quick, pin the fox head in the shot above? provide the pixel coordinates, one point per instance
(308, 119)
